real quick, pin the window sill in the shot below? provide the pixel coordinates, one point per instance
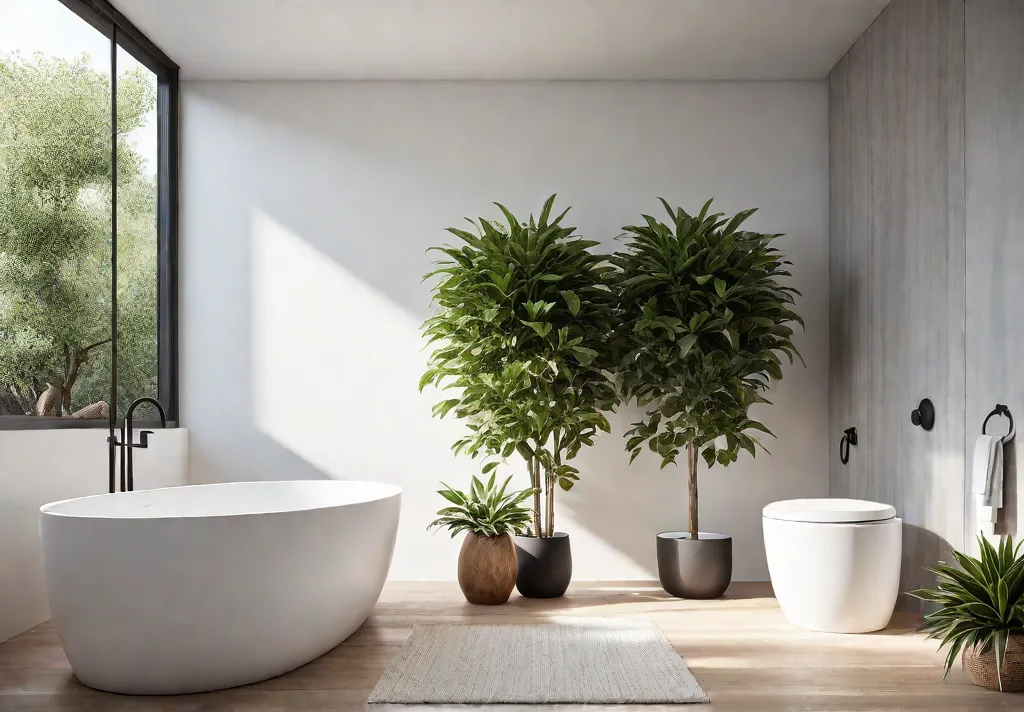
(33, 422)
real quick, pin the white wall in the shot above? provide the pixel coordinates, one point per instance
(40, 466)
(306, 210)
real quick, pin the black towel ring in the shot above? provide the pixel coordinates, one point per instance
(849, 438)
(1000, 409)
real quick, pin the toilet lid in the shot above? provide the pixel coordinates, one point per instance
(829, 510)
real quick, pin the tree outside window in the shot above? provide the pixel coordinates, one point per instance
(55, 219)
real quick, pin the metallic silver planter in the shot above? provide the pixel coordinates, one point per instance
(695, 568)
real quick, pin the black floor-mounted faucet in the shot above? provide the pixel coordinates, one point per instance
(126, 445)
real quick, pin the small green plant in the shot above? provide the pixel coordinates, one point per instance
(485, 510)
(703, 321)
(981, 603)
(524, 316)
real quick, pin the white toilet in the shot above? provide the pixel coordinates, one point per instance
(834, 563)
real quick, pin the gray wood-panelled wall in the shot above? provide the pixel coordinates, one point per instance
(897, 271)
(995, 228)
(927, 260)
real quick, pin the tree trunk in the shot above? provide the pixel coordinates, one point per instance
(691, 461)
(27, 401)
(551, 484)
(10, 404)
(549, 505)
(49, 403)
(75, 368)
(534, 466)
(95, 411)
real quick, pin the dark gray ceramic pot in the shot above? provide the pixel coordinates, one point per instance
(695, 568)
(545, 565)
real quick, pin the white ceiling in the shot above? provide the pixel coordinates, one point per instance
(503, 39)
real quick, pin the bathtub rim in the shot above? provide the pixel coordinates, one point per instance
(388, 491)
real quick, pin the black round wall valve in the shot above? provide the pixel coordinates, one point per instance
(924, 415)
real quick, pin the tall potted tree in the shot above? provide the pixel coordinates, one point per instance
(704, 320)
(524, 316)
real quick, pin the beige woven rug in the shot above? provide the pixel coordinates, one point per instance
(583, 660)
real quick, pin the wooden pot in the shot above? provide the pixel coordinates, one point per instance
(487, 568)
(982, 668)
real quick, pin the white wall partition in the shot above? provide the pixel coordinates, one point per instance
(40, 466)
(306, 211)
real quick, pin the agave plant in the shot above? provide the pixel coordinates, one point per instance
(704, 320)
(524, 316)
(486, 510)
(981, 603)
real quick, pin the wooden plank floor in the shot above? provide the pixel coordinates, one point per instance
(745, 655)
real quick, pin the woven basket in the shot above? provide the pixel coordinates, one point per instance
(982, 668)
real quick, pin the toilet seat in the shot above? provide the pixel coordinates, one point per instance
(829, 511)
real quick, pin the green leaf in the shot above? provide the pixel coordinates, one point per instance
(703, 212)
(509, 217)
(651, 308)
(1002, 597)
(709, 455)
(1000, 647)
(571, 301)
(546, 211)
(452, 496)
(720, 287)
(732, 337)
(542, 328)
(584, 355)
(668, 208)
(442, 409)
(685, 344)
(427, 378)
(738, 220)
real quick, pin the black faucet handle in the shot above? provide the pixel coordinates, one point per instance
(143, 438)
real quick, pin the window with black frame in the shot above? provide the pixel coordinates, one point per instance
(84, 230)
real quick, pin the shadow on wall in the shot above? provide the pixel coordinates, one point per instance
(625, 506)
(303, 358)
(913, 575)
(1007, 522)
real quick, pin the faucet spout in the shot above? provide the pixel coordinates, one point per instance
(127, 440)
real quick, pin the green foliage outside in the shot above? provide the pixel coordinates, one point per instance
(703, 322)
(524, 315)
(55, 267)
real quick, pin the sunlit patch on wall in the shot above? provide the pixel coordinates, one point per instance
(335, 366)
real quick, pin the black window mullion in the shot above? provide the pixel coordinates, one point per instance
(167, 232)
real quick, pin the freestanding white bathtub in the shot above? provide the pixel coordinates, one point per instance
(204, 587)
